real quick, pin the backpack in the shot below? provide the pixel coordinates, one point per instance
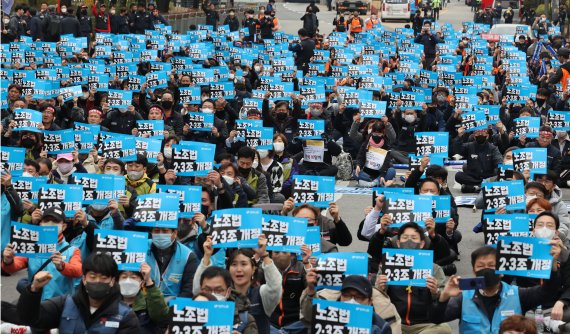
(54, 26)
(344, 165)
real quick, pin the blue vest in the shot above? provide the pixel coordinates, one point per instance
(257, 311)
(474, 320)
(6, 221)
(72, 323)
(106, 223)
(171, 279)
(59, 284)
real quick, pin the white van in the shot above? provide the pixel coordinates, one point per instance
(395, 10)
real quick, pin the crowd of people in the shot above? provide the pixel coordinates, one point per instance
(80, 290)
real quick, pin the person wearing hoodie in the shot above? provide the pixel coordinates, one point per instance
(232, 21)
(96, 302)
(554, 196)
(141, 293)
(137, 177)
(67, 164)
(406, 123)
(373, 163)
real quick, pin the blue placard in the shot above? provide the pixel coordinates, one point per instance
(407, 208)
(153, 128)
(69, 93)
(559, 120)
(432, 142)
(441, 208)
(68, 197)
(313, 240)
(474, 120)
(149, 147)
(372, 109)
(193, 158)
(28, 187)
(407, 267)
(119, 98)
(13, 159)
(60, 141)
(528, 126)
(377, 191)
(119, 146)
(199, 121)
(332, 268)
(258, 138)
(155, 80)
(157, 210)
(311, 128)
(524, 256)
(27, 120)
(507, 194)
(128, 248)
(33, 241)
(206, 317)
(100, 188)
(85, 141)
(284, 234)
(343, 317)
(190, 197)
(190, 95)
(532, 159)
(236, 228)
(515, 224)
(315, 190)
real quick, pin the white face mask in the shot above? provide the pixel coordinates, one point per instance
(135, 175)
(6, 21)
(257, 68)
(64, 167)
(112, 12)
(508, 162)
(254, 164)
(129, 287)
(231, 76)
(278, 147)
(113, 173)
(544, 232)
(207, 111)
(410, 118)
(263, 153)
(63, 10)
(122, 110)
(219, 297)
(229, 180)
(167, 152)
(315, 112)
(369, 131)
(98, 207)
(530, 198)
(351, 301)
(26, 174)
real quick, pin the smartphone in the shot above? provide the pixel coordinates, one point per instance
(472, 283)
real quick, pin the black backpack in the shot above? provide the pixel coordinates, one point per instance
(54, 26)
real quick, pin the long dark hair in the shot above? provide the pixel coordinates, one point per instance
(249, 253)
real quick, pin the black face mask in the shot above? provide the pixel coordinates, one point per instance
(205, 210)
(491, 278)
(244, 171)
(480, 139)
(28, 142)
(540, 102)
(166, 104)
(376, 138)
(98, 290)
(281, 115)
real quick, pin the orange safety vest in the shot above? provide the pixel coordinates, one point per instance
(370, 24)
(355, 27)
(564, 80)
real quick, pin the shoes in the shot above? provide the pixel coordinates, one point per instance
(366, 184)
(478, 228)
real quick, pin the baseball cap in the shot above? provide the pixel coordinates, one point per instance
(54, 212)
(358, 283)
(65, 156)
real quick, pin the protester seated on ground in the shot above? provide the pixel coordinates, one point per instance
(374, 161)
(333, 230)
(415, 304)
(495, 298)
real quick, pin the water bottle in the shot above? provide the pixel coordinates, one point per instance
(539, 320)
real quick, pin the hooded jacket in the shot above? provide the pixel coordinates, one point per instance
(142, 186)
